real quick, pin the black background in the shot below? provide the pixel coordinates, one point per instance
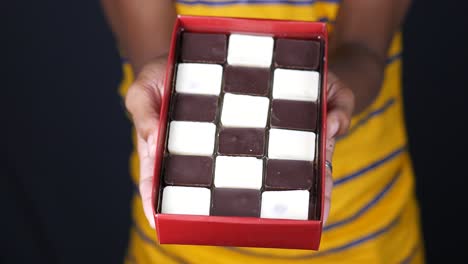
(65, 190)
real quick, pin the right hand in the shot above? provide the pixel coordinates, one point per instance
(143, 102)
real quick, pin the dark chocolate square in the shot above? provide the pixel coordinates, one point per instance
(189, 170)
(290, 114)
(246, 80)
(235, 202)
(199, 108)
(241, 141)
(289, 175)
(297, 54)
(201, 47)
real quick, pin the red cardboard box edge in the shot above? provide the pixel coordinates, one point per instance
(238, 231)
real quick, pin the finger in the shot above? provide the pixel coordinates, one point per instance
(330, 147)
(143, 104)
(340, 104)
(147, 158)
(328, 192)
(143, 100)
(338, 122)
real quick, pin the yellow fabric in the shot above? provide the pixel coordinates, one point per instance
(374, 216)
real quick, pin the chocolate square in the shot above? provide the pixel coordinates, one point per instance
(200, 47)
(289, 175)
(294, 115)
(246, 80)
(241, 141)
(235, 202)
(199, 108)
(189, 170)
(297, 54)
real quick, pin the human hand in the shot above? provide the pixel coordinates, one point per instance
(340, 104)
(143, 102)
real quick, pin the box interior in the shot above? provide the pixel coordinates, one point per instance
(260, 28)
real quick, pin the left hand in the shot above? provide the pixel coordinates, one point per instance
(340, 104)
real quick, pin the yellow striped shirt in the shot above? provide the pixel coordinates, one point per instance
(374, 216)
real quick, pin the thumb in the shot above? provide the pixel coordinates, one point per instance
(143, 102)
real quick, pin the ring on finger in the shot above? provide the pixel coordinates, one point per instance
(328, 165)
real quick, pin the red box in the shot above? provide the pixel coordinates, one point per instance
(240, 231)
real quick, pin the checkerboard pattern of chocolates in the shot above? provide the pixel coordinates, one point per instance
(243, 124)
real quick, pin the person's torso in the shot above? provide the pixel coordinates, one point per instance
(372, 170)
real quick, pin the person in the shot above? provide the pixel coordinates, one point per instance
(374, 217)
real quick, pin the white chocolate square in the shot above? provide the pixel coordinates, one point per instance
(291, 145)
(238, 172)
(285, 205)
(296, 85)
(186, 200)
(249, 50)
(191, 138)
(244, 111)
(199, 78)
